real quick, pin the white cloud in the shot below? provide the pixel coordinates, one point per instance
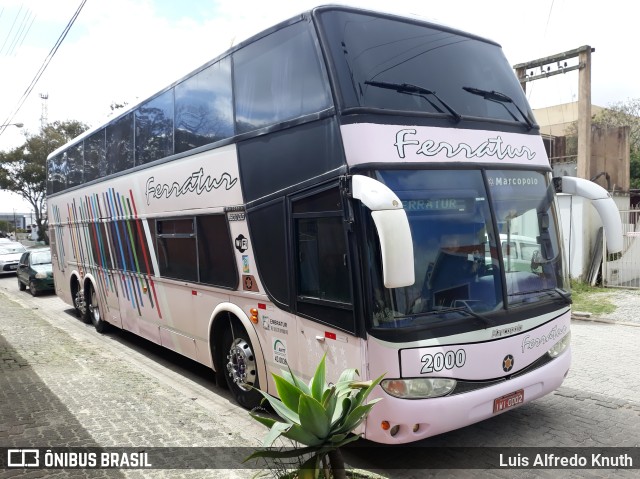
(126, 50)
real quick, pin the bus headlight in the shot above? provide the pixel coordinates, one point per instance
(560, 346)
(419, 388)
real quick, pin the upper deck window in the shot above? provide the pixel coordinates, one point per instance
(278, 78)
(367, 50)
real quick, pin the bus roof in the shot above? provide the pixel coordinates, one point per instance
(311, 13)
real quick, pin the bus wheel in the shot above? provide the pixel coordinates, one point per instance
(79, 302)
(241, 368)
(92, 312)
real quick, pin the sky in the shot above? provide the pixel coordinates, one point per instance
(121, 51)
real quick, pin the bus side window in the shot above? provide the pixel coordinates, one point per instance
(176, 248)
(216, 258)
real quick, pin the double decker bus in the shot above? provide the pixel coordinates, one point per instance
(347, 183)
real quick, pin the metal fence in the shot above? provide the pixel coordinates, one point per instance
(625, 271)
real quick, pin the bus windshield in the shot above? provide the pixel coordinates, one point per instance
(461, 262)
(394, 64)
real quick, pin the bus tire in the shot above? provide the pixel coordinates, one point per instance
(240, 366)
(92, 311)
(79, 303)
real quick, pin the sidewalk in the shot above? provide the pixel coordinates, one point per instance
(66, 390)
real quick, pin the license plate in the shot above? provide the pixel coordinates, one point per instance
(13, 266)
(510, 400)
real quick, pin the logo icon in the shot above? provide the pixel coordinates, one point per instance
(23, 458)
(507, 363)
(242, 243)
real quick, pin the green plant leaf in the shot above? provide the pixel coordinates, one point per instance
(329, 403)
(349, 438)
(301, 435)
(309, 469)
(277, 429)
(317, 384)
(266, 421)
(312, 417)
(365, 393)
(345, 380)
(289, 394)
(288, 453)
(290, 377)
(341, 411)
(356, 417)
(281, 410)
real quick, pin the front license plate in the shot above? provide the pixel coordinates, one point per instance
(13, 266)
(508, 401)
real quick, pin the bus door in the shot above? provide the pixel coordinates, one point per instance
(323, 283)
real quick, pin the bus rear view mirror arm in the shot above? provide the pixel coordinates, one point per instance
(393, 229)
(602, 202)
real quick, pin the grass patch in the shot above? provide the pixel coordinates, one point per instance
(586, 298)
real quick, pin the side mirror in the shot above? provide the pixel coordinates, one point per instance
(392, 224)
(602, 202)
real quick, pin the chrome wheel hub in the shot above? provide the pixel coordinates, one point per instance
(241, 364)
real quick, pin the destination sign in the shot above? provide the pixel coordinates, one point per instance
(459, 205)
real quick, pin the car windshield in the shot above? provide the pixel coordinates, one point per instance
(462, 264)
(12, 248)
(41, 257)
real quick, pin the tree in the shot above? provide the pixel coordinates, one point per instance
(23, 170)
(625, 113)
(622, 113)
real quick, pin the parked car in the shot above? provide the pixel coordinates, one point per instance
(34, 270)
(10, 253)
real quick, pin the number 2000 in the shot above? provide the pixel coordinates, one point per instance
(439, 361)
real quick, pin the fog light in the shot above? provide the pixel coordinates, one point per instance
(416, 427)
(394, 430)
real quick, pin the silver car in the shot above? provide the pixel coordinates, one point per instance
(9, 256)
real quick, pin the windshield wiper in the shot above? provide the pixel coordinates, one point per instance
(410, 89)
(466, 309)
(501, 99)
(554, 291)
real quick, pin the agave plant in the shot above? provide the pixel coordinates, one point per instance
(316, 415)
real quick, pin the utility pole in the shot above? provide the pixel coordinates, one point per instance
(584, 93)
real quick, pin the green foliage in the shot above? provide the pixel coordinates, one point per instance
(318, 416)
(622, 113)
(589, 299)
(634, 169)
(23, 170)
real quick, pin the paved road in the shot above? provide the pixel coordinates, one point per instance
(61, 383)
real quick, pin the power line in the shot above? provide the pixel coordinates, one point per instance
(11, 29)
(43, 67)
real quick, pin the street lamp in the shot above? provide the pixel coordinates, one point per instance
(19, 125)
